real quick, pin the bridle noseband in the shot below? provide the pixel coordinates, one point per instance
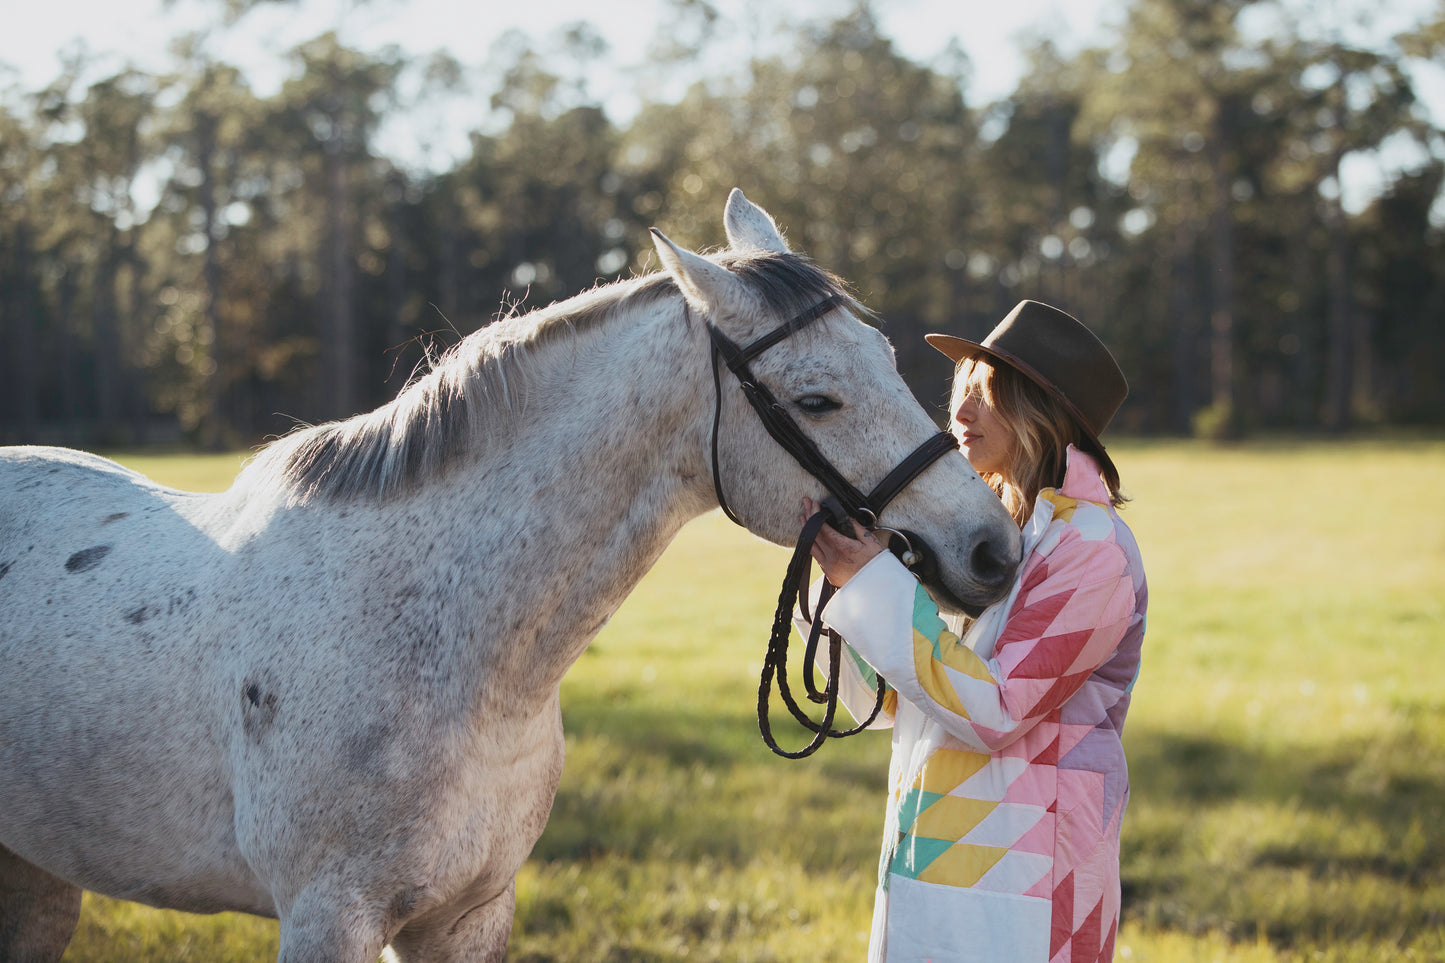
(844, 502)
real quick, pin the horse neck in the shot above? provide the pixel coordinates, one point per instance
(603, 463)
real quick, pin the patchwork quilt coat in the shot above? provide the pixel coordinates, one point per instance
(1008, 779)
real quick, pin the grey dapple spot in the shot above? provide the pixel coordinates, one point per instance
(352, 723)
(86, 559)
(258, 710)
(366, 747)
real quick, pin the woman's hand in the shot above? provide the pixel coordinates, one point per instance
(839, 556)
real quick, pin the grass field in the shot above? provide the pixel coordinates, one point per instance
(1287, 742)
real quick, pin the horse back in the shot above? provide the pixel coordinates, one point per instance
(110, 727)
(77, 533)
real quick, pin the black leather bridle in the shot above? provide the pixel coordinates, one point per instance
(845, 502)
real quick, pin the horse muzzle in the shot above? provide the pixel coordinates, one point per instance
(990, 569)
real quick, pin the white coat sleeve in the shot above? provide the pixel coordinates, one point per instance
(858, 683)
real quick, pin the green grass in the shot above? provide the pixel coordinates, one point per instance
(209, 472)
(1287, 742)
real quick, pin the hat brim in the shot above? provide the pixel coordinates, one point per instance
(958, 350)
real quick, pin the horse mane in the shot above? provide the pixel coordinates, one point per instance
(478, 382)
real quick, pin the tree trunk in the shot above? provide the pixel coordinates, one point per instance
(1303, 369)
(24, 362)
(106, 344)
(1340, 362)
(1184, 361)
(138, 397)
(214, 433)
(70, 406)
(1222, 308)
(339, 341)
(397, 339)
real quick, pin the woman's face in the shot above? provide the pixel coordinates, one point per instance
(985, 439)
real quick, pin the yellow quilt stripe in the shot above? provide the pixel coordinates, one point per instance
(962, 865)
(947, 769)
(946, 646)
(933, 678)
(890, 703)
(951, 817)
(1063, 505)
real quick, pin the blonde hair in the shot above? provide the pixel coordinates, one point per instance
(1042, 429)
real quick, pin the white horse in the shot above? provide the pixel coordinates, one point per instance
(330, 694)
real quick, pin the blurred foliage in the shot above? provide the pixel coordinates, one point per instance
(1177, 187)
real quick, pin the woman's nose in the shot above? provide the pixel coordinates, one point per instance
(965, 413)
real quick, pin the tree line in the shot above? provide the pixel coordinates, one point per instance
(1179, 188)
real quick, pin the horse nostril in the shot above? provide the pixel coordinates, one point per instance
(993, 564)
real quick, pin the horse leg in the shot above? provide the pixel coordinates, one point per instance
(475, 935)
(38, 912)
(321, 928)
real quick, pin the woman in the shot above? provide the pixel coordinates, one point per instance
(1008, 779)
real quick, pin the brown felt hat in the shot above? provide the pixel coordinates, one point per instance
(1057, 352)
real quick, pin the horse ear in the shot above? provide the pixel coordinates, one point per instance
(749, 227)
(709, 287)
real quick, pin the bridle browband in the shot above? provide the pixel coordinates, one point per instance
(844, 502)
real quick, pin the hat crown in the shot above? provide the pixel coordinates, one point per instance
(1059, 353)
(1068, 357)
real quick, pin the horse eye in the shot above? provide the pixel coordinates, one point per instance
(817, 404)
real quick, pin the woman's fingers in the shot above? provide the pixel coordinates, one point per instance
(840, 555)
(834, 539)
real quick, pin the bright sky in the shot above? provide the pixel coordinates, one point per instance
(140, 29)
(989, 31)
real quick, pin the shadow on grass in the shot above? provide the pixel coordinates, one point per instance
(1394, 776)
(643, 781)
(1301, 846)
(722, 737)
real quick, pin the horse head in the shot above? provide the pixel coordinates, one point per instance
(835, 379)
